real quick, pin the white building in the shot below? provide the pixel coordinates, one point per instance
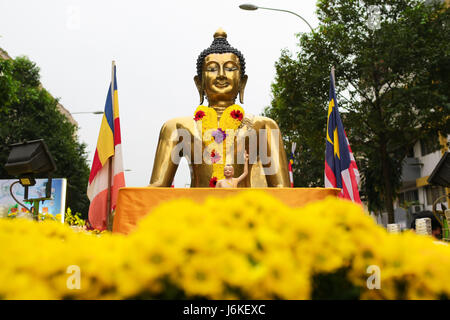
(416, 194)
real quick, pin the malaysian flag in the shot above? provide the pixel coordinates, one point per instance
(340, 166)
(291, 162)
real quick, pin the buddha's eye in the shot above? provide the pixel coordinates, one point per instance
(231, 68)
(211, 69)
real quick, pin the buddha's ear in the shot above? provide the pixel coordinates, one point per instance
(242, 88)
(199, 85)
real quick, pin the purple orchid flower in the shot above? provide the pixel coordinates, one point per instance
(219, 135)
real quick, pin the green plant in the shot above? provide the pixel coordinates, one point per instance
(74, 219)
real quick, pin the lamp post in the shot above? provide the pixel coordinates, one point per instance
(92, 112)
(252, 7)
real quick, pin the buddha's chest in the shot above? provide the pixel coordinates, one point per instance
(217, 146)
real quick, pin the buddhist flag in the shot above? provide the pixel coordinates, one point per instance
(340, 165)
(107, 174)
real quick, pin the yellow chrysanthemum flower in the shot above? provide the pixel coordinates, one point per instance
(251, 246)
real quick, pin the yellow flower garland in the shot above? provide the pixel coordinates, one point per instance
(218, 145)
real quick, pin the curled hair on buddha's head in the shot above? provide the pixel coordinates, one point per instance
(219, 45)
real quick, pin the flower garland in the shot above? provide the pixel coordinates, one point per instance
(218, 136)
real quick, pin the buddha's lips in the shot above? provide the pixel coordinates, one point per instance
(221, 84)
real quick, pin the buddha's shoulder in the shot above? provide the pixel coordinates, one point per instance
(258, 121)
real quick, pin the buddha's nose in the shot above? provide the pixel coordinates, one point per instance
(221, 73)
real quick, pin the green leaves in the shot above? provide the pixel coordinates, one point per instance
(25, 72)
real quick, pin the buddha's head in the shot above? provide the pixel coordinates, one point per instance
(220, 72)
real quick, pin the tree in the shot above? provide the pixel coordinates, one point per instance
(29, 112)
(392, 82)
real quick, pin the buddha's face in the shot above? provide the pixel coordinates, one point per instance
(221, 77)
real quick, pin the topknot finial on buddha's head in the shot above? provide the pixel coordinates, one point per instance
(220, 33)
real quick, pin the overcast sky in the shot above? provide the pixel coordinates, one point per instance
(155, 45)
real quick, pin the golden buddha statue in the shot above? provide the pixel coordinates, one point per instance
(221, 133)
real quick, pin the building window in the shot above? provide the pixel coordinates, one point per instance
(409, 196)
(433, 193)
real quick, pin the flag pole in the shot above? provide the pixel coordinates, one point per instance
(332, 77)
(109, 218)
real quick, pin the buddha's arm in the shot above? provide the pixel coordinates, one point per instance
(277, 173)
(164, 168)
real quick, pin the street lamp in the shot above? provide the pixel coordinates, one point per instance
(26, 161)
(92, 112)
(252, 7)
